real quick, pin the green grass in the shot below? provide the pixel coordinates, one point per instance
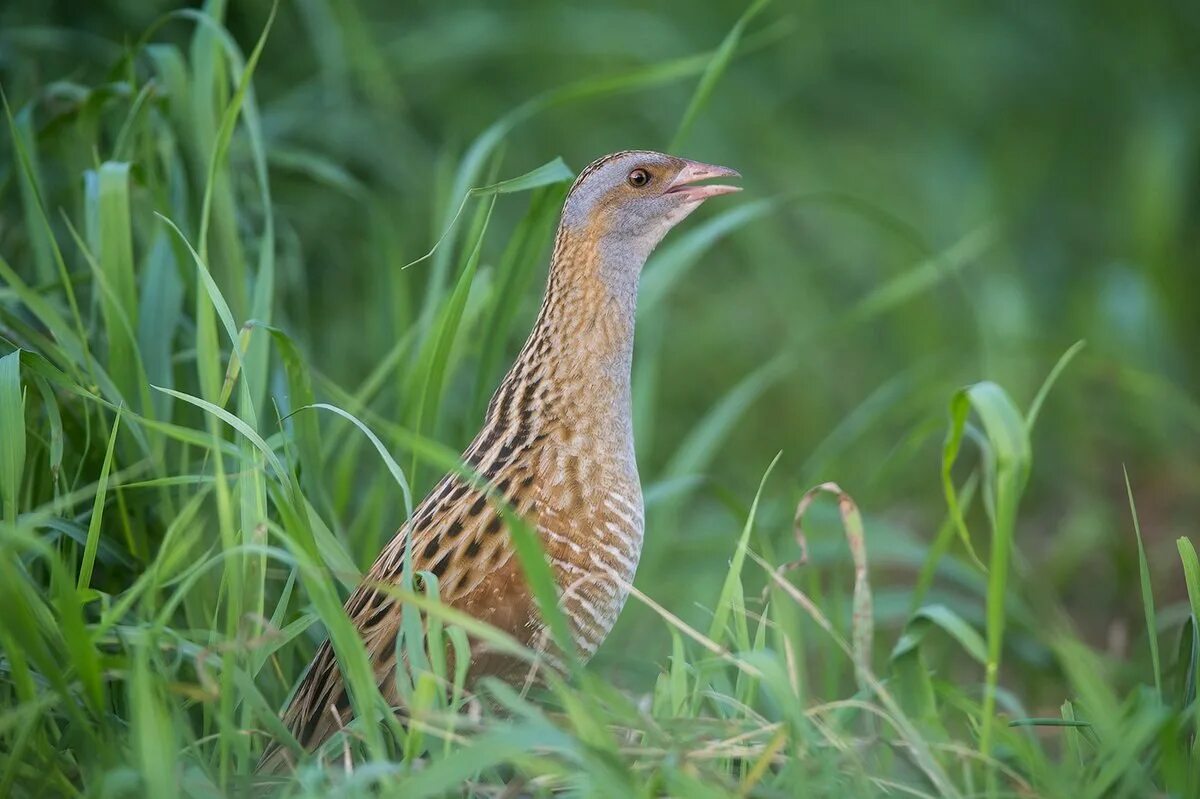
(227, 373)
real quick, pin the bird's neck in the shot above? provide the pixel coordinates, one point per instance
(578, 358)
(588, 313)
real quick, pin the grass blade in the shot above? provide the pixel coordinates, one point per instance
(724, 607)
(1147, 590)
(1191, 672)
(111, 240)
(713, 71)
(12, 434)
(93, 538)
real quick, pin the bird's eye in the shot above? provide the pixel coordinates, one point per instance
(639, 178)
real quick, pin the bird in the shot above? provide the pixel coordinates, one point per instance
(556, 445)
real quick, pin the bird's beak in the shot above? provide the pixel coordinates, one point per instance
(695, 171)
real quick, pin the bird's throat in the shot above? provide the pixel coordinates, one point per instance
(580, 351)
(590, 306)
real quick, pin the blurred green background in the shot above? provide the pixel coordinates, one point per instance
(944, 193)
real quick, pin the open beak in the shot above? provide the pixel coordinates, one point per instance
(694, 171)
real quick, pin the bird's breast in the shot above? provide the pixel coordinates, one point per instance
(592, 524)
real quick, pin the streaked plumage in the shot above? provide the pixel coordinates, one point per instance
(556, 443)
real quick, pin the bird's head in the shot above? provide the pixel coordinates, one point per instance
(632, 198)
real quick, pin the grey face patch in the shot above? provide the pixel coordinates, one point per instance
(636, 215)
(631, 211)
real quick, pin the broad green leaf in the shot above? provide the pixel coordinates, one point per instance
(110, 239)
(945, 619)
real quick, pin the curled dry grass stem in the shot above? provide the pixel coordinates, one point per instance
(923, 759)
(863, 622)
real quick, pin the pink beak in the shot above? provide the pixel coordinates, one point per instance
(694, 171)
